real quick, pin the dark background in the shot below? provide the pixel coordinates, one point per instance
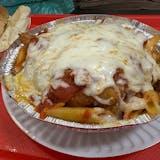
(117, 6)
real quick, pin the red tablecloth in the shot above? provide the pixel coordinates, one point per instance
(15, 145)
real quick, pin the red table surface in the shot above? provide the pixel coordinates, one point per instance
(15, 145)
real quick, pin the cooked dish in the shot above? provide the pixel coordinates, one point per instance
(88, 73)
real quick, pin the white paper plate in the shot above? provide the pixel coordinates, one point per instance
(65, 140)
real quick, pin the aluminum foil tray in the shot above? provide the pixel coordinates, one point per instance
(9, 57)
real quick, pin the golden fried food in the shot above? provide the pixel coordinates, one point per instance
(77, 114)
(151, 47)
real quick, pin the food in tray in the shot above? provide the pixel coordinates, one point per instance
(88, 72)
(12, 26)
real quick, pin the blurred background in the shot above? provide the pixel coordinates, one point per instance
(118, 6)
(86, 6)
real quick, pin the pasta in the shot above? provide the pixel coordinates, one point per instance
(82, 115)
(88, 73)
(151, 47)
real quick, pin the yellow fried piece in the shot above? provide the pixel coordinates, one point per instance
(151, 47)
(25, 38)
(20, 59)
(152, 99)
(76, 114)
(133, 114)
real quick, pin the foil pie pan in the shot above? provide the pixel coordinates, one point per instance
(9, 57)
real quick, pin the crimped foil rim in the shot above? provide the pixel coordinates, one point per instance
(10, 55)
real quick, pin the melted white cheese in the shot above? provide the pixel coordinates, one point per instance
(93, 52)
(134, 104)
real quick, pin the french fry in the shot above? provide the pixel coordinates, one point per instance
(151, 47)
(152, 100)
(20, 60)
(25, 38)
(76, 114)
(133, 114)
